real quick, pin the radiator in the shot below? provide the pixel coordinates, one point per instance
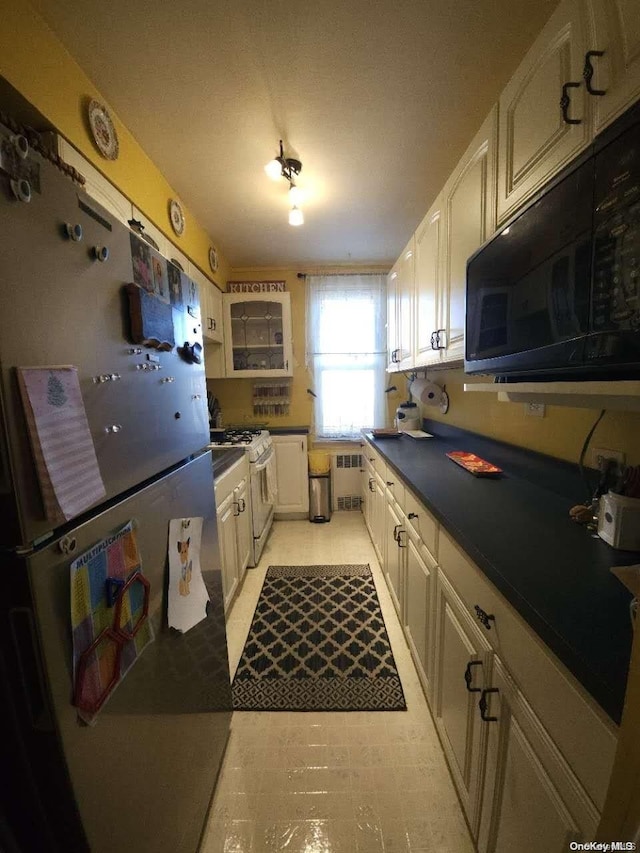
(345, 481)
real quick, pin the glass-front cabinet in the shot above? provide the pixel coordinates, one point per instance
(258, 334)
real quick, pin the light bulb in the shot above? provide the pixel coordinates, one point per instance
(295, 216)
(295, 195)
(273, 169)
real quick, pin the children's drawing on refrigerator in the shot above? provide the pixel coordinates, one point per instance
(188, 596)
(185, 562)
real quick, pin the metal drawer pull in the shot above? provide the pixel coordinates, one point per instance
(396, 527)
(483, 705)
(237, 506)
(372, 487)
(241, 505)
(484, 617)
(468, 677)
(587, 72)
(400, 532)
(565, 103)
(412, 515)
(389, 483)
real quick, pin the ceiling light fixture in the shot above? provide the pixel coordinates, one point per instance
(289, 168)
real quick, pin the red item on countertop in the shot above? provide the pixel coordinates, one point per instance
(474, 464)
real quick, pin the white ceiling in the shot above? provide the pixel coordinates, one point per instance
(378, 98)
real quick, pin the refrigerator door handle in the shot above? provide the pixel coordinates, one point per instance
(27, 656)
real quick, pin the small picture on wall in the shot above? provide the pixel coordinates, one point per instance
(141, 260)
(175, 285)
(160, 281)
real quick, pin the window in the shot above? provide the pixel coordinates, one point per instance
(346, 352)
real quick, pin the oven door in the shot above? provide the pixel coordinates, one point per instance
(262, 496)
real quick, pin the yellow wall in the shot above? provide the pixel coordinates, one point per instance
(560, 433)
(36, 63)
(235, 395)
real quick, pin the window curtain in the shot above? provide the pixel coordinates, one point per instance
(346, 352)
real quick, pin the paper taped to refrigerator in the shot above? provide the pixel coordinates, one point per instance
(109, 618)
(61, 442)
(188, 594)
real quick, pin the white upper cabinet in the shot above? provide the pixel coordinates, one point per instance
(257, 334)
(468, 203)
(158, 239)
(393, 284)
(536, 138)
(613, 78)
(96, 186)
(210, 306)
(405, 302)
(428, 253)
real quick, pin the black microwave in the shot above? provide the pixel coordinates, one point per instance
(555, 294)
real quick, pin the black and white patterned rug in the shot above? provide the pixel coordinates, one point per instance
(318, 642)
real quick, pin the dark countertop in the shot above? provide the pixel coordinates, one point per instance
(224, 458)
(288, 430)
(517, 529)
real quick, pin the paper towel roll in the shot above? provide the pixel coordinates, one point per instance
(427, 392)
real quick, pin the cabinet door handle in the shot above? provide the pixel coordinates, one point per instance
(389, 483)
(399, 540)
(371, 484)
(484, 617)
(468, 677)
(441, 344)
(412, 515)
(241, 505)
(395, 531)
(565, 103)
(237, 509)
(434, 335)
(587, 72)
(483, 705)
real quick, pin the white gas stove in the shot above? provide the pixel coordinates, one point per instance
(262, 474)
(255, 441)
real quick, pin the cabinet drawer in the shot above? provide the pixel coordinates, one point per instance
(229, 480)
(394, 486)
(421, 522)
(571, 717)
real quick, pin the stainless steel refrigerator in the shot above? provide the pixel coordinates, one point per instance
(142, 777)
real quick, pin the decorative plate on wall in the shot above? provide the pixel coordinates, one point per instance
(102, 129)
(176, 215)
(213, 259)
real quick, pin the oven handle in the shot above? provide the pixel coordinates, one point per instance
(260, 466)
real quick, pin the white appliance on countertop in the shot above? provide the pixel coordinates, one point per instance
(262, 474)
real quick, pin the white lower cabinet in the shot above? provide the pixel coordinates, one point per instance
(532, 800)
(462, 671)
(395, 536)
(234, 526)
(228, 541)
(292, 474)
(529, 752)
(244, 532)
(373, 504)
(419, 600)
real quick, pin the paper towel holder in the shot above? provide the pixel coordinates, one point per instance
(429, 393)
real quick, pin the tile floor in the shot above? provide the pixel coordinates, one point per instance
(359, 782)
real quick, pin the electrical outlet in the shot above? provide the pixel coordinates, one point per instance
(599, 453)
(535, 410)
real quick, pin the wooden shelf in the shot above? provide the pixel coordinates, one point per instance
(621, 395)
